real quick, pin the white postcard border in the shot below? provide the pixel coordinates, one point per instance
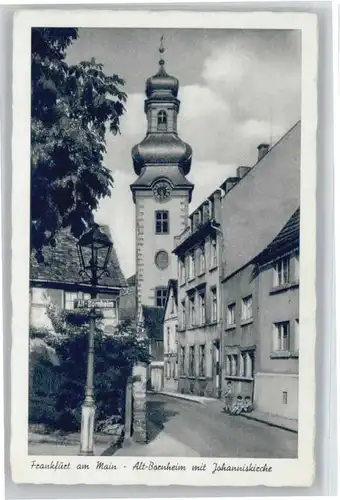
(285, 472)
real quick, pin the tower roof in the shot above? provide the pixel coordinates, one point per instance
(161, 145)
(161, 84)
(162, 148)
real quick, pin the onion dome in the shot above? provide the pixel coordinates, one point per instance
(161, 83)
(162, 149)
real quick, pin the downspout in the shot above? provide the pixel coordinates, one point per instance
(220, 302)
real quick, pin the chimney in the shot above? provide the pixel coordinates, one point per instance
(263, 149)
(230, 183)
(242, 171)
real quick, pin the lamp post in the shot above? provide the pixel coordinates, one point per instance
(94, 250)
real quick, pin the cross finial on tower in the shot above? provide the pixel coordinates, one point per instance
(161, 51)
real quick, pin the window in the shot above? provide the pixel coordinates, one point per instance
(182, 360)
(213, 253)
(192, 311)
(201, 300)
(247, 308)
(246, 364)
(233, 365)
(191, 258)
(160, 296)
(228, 365)
(231, 314)
(281, 336)
(162, 259)
(201, 262)
(162, 221)
(70, 297)
(284, 397)
(172, 306)
(213, 305)
(241, 365)
(183, 315)
(168, 339)
(202, 361)
(162, 121)
(191, 361)
(297, 267)
(181, 271)
(281, 272)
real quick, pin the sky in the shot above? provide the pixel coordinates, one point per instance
(238, 88)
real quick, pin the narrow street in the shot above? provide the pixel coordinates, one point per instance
(202, 431)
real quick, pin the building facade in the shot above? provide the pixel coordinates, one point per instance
(56, 282)
(276, 379)
(271, 189)
(161, 192)
(240, 336)
(170, 338)
(198, 253)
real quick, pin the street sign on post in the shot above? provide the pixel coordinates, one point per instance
(94, 304)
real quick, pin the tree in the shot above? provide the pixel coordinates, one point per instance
(72, 107)
(114, 359)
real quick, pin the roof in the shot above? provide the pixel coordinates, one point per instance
(287, 240)
(61, 263)
(259, 205)
(172, 286)
(153, 321)
(132, 280)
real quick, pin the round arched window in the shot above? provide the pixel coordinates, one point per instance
(162, 120)
(162, 259)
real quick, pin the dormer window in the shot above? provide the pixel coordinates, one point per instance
(162, 121)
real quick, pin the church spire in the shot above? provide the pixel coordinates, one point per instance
(161, 145)
(161, 51)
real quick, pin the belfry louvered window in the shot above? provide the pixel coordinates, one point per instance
(162, 121)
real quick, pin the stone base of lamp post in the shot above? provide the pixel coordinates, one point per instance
(87, 429)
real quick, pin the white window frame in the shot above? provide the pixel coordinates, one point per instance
(168, 333)
(192, 310)
(183, 314)
(201, 300)
(191, 266)
(281, 275)
(162, 295)
(201, 260)
(202, 360)
(182, 360)
(228, 365)
(191, 369)
(182, 271)
(241, 365)
(231, 314)
(213, 253)
(214, 308)
(282, 336)
(233, 365)
(247, 308)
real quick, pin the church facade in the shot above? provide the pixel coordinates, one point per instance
(161, 192)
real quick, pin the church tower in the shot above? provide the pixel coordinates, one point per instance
(161, 192)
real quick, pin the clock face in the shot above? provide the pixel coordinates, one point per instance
(162, 190)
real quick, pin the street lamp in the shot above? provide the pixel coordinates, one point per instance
(94, 250)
